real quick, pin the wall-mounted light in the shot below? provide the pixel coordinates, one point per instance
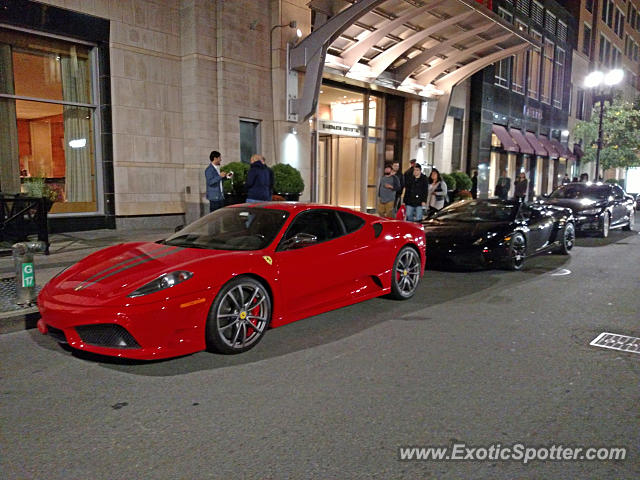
(293, 130)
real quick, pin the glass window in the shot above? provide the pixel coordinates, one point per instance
(53, 139)
(547, 71)
(351, 222)
(534, 68)
(345, 106)
(503, 67)
(322, 224)
(586, 40)
(589, 5)
(558, 83)
(619, 23)
(580, 104)
(249, 139)
(519, 64)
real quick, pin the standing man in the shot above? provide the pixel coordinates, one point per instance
(395, 168)
(214, 178)
(408, 174)
(503, 186)
(258, 181)
(387, 189)
(271, 175)
(415, 194)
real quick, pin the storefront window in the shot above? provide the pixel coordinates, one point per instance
(46, 92)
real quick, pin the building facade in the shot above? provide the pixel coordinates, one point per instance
(519, 106)
(608, 38)
(118, 104)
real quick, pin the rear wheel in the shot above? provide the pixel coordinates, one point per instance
(517, 250)
(239, 316)
(405, 275)
(606, 222)
(568, 239)
(632, 220)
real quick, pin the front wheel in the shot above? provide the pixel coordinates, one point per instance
(239, 316)
(517, 251)
(632, 220)
(405, 275)
(568, 239)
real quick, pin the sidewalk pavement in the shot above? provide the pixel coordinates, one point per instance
(65, 249)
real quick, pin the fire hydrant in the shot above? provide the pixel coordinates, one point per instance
(25, 273)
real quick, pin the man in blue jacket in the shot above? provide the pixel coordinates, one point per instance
(214, 177)
(258, 181)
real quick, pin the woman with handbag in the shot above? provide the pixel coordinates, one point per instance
(437, 192)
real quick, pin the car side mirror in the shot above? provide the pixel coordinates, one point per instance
(298, 241)
(178, 228)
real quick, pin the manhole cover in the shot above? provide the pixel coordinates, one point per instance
(617, 342)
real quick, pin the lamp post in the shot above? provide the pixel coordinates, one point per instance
(595, 80)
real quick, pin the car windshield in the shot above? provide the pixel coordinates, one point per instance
(478, 211)
(233, 228)
(582, 190)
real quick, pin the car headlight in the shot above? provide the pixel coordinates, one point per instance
(167, 280)
(591, 211)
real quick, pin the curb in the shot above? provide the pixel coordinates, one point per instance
(19, 320)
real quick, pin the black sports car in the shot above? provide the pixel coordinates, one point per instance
(494, 232)
(597, 207)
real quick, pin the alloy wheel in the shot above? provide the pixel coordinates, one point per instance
(406, 273)
(241, 315)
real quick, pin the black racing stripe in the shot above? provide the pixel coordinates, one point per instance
(142, 255)
(177, 249)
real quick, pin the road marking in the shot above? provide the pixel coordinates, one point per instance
(615, 341)
(561, 272)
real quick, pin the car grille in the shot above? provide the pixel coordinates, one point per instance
(107, 335)
(57, 334)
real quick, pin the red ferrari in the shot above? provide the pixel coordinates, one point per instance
(222, 281)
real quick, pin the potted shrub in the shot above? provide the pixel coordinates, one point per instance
(288, 181)
(463, 181)
(234, 189)
(450, 180)
(38, 188)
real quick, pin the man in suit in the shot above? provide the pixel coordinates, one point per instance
(214, 177)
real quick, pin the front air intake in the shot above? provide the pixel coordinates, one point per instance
(107, 335)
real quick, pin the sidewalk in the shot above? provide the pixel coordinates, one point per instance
(66, 249)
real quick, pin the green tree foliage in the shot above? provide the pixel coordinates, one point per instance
(236, 184)
(621, 135)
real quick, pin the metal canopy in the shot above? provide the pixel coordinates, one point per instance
(424, 47)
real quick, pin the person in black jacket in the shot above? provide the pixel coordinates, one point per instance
(409, 171)
(415, 194)
(258, 181)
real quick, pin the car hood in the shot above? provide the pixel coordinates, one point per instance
(462, 230)
(574, 204)
(117, 271)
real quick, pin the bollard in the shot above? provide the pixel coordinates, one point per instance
(25, 273)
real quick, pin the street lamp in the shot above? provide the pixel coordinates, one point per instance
(595, 80)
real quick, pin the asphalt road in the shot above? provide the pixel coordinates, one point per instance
(480, 358)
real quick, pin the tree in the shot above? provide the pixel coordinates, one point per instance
(620, 138)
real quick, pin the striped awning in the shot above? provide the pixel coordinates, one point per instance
(423, 47)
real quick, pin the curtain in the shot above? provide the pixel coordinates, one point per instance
(77, 128)
(9, 160)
